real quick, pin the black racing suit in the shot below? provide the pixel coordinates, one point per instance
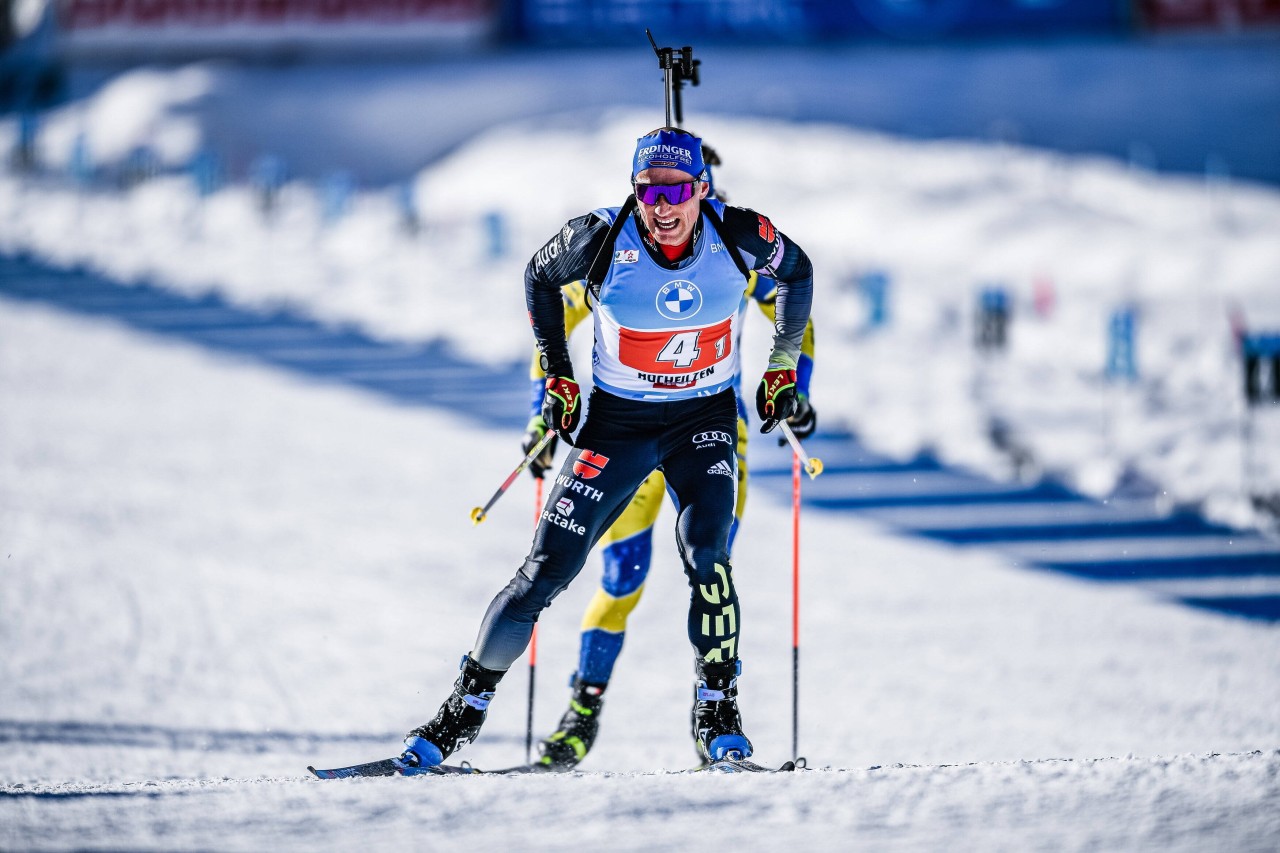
(623, 440)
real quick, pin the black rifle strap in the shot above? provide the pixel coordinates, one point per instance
(600, 266)
(710, 213)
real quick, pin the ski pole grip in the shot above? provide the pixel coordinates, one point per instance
(812, 464)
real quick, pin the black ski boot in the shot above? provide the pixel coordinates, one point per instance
(572, 740)
(717, 725)
(459, 719)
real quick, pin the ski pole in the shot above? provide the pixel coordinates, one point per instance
(533, 643)
(478, 514)
(795, 606)
(812, 464)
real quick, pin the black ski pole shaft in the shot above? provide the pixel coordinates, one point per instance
(795, 605)
(533, 646)
(533, 672)
(478, 514)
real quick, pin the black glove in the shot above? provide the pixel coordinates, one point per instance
(541, 463)
(560, 406)
(776, 396)
(804, 421)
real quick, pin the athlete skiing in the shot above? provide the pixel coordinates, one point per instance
(665, 296)
(628, 543)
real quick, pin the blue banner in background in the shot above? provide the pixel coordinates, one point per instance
(680, 21)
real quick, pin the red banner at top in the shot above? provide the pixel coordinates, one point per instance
(93, 14)
(1209, 14)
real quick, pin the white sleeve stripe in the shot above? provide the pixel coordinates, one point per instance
(778, 254)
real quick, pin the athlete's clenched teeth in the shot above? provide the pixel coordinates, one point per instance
(666, 223)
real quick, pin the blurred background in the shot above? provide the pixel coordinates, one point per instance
(1181, 85)
(1046, 230)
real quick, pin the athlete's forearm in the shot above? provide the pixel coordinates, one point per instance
(792, 316)
(566, 257)
(546, 316)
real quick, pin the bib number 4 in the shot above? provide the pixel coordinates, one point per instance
(681, 351)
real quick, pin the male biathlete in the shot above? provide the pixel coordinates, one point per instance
(665, 295)
(628, 543)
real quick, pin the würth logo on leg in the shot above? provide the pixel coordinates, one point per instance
(589, 465)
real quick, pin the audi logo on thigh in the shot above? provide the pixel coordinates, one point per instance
(707, 437)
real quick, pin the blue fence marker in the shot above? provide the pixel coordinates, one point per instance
(407, 203)
(81, 165)
(268, 174)
(23, 156)
(993, 318)
(141, 165)
(495, 227)
(338, 189)
(207, 172)
(874, 287)
(1122, 362)
(1261, 360)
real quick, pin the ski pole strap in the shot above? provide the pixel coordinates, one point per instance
(812, 464)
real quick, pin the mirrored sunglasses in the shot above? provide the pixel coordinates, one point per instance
(673, 193)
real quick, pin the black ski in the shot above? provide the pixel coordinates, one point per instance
(397, 767)
(392, 767)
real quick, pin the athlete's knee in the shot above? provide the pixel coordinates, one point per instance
(537, 584)
(703, 554)
(626, 563)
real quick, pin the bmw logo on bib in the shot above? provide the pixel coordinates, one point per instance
(679, 300)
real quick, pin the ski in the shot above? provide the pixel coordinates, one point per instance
(397, 767)
(392, 767)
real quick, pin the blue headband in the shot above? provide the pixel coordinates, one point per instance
(668, 149)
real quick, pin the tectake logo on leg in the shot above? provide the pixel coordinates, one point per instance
(564, 506)
(563, 521)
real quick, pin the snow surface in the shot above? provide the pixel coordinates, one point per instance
(215, 573)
